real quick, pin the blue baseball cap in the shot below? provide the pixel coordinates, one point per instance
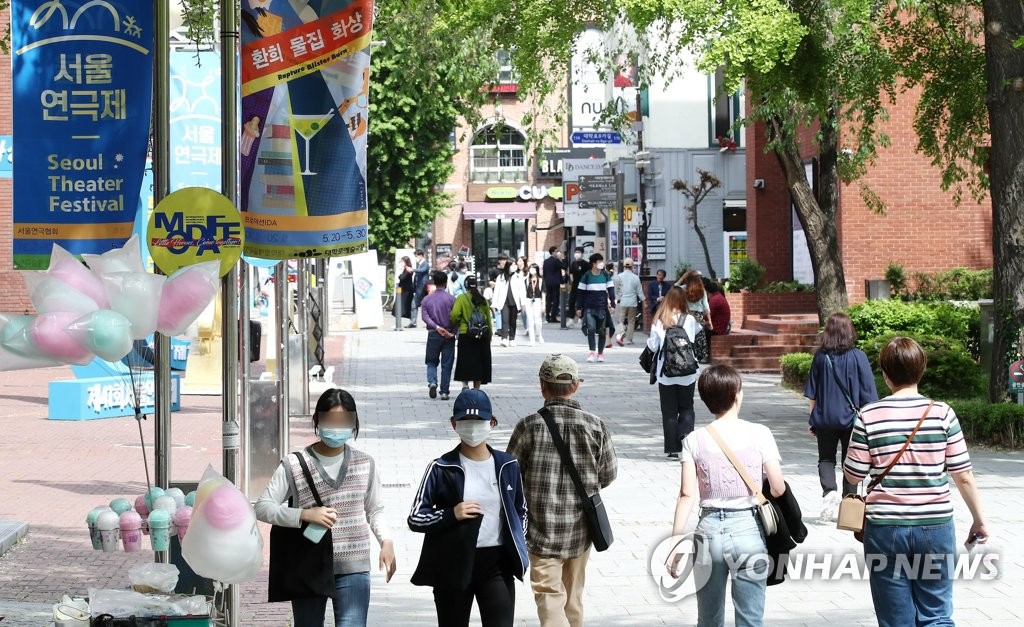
(472, 403)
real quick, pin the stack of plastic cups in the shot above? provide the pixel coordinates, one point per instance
(94, 532)
(131, 531)
(167, 504)
(159, 530)
(108, 525)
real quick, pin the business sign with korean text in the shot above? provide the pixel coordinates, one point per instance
(576, 170)
(194, 225)
(305, 89)
(195, 120)
(83, 83)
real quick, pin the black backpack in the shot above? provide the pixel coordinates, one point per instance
(477, 327)
(680, 360)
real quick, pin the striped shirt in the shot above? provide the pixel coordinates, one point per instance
(595, 291)
(916, 490)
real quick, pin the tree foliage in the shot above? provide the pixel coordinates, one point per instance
(695, 194)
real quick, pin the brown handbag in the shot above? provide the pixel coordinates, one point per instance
(853, 507)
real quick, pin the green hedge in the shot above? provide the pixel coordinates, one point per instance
(795, 369)
(951, 371)
(955, 284)
(1001, 424)
(959, 324)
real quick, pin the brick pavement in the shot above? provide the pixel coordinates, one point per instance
(78, 465)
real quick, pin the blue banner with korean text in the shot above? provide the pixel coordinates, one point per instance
(83, 83)
(195, 120)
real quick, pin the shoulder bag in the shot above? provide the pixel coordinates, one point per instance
(853, 507)
(299, 568)
(765, 508)
(593, 507)
(846, 393)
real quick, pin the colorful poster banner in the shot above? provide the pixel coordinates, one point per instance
(83, 85)
(305, 86)
(195, 119)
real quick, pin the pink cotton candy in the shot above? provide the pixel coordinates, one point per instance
(71, 272)
(49, 334)
(185, 295)
(225, 508)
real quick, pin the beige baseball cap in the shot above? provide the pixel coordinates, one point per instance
(560, 369)
(628, 262)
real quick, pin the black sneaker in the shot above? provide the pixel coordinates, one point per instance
(433, 390)
(444, 397)
(673, 457)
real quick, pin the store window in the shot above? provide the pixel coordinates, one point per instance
(724, 111)
(506, 74)
(494, 237)
(497, 154)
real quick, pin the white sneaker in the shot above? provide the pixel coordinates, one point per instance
(600, 359)
(504, 342)
(511, 342)
(829, 507)
(540, 340)
(591, 357)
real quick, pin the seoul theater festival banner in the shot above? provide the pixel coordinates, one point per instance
(305, 84)
(82, 95)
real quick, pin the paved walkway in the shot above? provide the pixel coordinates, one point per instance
(52, 473)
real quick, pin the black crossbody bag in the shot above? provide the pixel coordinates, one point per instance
(593, 507)
(300, 569)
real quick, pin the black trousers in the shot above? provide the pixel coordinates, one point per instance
(552, 293)
(677, 415)
(509, 320)
(494, 589)
(828, 439)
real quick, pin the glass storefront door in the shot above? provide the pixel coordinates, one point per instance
(494, 237)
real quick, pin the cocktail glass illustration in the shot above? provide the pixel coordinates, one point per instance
(308, 126)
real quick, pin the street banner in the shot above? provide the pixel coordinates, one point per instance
(305, 88)
(195, 119)
(83, 87)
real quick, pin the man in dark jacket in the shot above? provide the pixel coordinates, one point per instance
(554, 271)
(577, 268)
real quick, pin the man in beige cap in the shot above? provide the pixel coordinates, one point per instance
(557, 537)
(631, 298)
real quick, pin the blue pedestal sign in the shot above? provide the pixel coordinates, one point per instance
(106, 397)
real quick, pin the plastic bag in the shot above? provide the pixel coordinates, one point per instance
(153, 577)
(124, 603)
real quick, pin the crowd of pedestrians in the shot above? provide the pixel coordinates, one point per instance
(490, 517)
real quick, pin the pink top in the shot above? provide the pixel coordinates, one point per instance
(719, 483)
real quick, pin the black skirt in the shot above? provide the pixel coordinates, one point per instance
(473, 359)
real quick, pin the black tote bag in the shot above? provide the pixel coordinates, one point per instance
(300, 569)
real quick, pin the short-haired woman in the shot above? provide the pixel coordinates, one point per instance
(910, 513)
(350, 488)
(729, 538)
(839, 383)
(675, 393)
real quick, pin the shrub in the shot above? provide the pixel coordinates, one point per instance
(897, 279)
(745, 275)
(961, 324)
(795, 369)
(951, 372)
(982, 422)
(787, 286)
(682, 268)
(955, 284)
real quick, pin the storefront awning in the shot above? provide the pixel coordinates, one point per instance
(498, 211)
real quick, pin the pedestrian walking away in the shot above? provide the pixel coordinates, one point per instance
(577, 268)
(631, 298)
(557, 535)
(674, 392)
(349, 486)
(839, 383)
(472, 314)
(596, 302)
(471, 507)
(911, 446)
(441, 332)
(554, 276)
(405, 284)
(533, 303)
(729, 542)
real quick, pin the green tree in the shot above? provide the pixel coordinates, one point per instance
(695, 194)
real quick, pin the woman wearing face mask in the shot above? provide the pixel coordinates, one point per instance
(350, 489)
(471, 507)
(534, 306)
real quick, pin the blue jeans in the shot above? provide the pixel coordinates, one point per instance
(351, 603)
(730, 545)
(440, 351)
(597, 321)
(911, 573)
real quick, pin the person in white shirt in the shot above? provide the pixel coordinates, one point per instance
(339, 472)
(729, 540)
(675, 393)
(508, 296)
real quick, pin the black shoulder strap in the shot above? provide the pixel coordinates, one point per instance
(563, 451)
(835, 375)
(309, 478)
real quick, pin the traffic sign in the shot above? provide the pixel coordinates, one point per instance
(596, 137)
(1017, 377)
(597, 204)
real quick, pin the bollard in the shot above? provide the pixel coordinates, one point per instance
(398, 309)
(563, 304)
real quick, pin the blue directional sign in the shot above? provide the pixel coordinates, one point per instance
(596, 137)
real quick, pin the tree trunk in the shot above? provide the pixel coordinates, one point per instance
(818, 219)
(1004, 70)
(704, 245)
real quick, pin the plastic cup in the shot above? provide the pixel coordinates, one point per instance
(166, 503)
(177, 495)
(159, 530)
(152, 495)
(190, 499)
(110, 532)
(182, 519)
(140, 505)
(131, 531)
(120, 506)
(94, 532)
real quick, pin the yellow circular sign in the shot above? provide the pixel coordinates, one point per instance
(192, 225)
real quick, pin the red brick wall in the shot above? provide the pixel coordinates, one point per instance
(764, 303)
(13, 297)
(768, 229)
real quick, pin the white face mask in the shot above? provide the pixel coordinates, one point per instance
(473, 431)
(578, 256)
(600, 265)
(533, 270)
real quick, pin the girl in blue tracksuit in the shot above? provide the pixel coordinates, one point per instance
(471, 507)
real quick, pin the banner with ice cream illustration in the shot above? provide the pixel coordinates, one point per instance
(83, 87)
(305, 83)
